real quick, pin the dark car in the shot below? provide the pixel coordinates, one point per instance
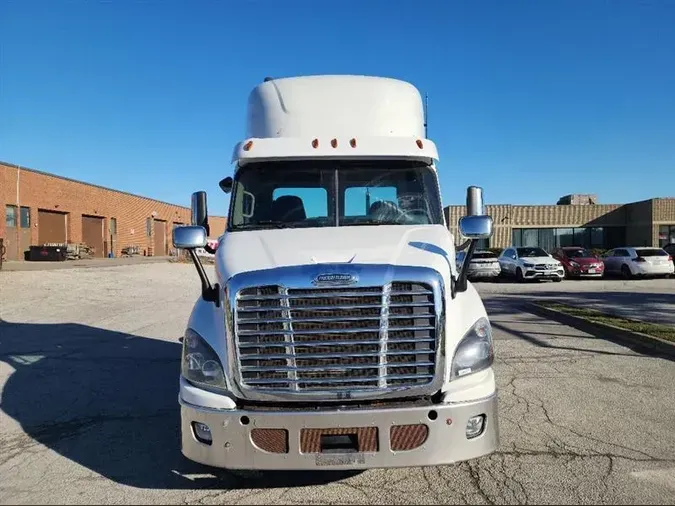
(579, 262)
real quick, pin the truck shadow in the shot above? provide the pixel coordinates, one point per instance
(108, 401)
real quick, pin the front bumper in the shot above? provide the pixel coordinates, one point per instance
(537, 274)
(446, 442)
(585, 273)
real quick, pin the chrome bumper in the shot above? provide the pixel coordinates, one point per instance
(446, 442)
(532, 274)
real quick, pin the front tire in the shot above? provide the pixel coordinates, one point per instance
(519, 275)
(625, 272)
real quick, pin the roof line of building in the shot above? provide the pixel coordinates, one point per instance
(43, 173)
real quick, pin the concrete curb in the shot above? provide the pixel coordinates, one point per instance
(605, 331)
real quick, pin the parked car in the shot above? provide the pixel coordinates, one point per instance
(670, 249)
(579, 262)
(530, 263)
(484, 264)
(642, 261)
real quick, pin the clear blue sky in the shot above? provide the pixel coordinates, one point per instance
(530, 99)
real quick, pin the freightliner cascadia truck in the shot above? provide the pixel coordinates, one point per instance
(338, 332)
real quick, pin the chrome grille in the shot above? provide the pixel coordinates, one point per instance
(332, 339)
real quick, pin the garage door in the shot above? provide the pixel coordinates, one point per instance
(51, 227)
(160, 238)
(92, 234)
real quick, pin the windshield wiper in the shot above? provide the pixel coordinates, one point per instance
(266, 224)
(369, 222)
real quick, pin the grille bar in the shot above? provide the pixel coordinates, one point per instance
(321, 294)
(318, 368)
(369, 339)
(358, 330)
(336, 380)
(329, 356)
(259, 309)
(288, 327)
(319, 319)
(333, 343)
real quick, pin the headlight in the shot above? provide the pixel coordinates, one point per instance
(201, 365)
(475, 351)
(528, 266)
(574, 264)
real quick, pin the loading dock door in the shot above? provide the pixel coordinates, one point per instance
(51, 227)
(160, 239)
(92, 234)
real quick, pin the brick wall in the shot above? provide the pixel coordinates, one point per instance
(663, 213)
(40, 191)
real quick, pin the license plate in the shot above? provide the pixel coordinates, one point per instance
(592, 271)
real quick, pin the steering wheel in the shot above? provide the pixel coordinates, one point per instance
(417, 216)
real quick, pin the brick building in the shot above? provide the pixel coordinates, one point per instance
(572, 223)
(43, 208)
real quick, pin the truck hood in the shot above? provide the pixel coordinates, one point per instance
(416, 245)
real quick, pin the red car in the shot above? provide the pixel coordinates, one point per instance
(579, 262)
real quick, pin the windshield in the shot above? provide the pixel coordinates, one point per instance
(578, 253)
(329, 193)
(531, 252)
(484, 254)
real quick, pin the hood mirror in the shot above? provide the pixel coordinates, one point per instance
(226, 184)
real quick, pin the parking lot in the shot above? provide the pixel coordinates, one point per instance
(89, 362)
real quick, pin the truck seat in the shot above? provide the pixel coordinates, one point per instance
(288, 208)
(383, 210)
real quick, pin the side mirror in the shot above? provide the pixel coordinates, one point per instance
(476, 227)
(200, 215)
(189, 237)
(226, 184)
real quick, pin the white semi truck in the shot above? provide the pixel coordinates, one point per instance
(338, 333)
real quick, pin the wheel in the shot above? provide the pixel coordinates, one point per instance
(519, 275)
(625, 272)
(557, 280)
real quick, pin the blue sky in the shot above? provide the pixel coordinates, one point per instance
(529, 99)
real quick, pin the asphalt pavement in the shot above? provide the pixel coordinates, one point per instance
(89, 376)
(651, 299)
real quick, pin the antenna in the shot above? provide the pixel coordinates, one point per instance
(426, 114)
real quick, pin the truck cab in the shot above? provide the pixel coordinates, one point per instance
(338, 332)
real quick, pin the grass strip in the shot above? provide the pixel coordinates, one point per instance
(651, 329)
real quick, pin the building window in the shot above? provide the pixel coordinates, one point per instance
(482, 244)
(25, 217)
(666, 235)
(113, 226)
(564, 237)
(10, 216)
(148, 227)
(586, 237)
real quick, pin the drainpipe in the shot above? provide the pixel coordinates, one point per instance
(18, 215)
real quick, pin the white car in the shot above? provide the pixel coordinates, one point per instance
(530, 263)
(484, 264)
(644, 261)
